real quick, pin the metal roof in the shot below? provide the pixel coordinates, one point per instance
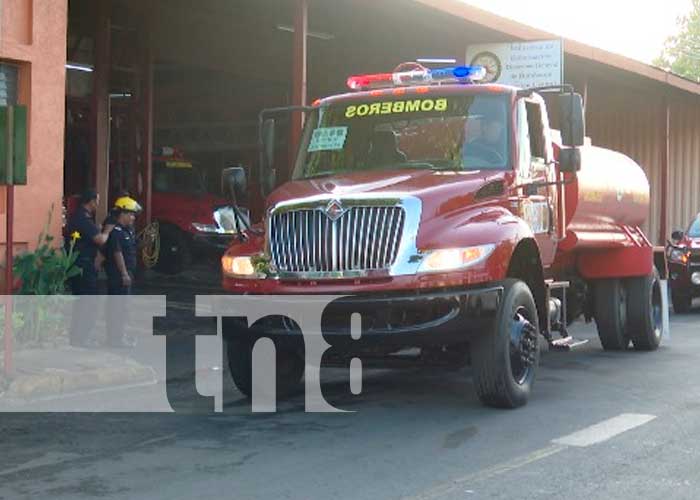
(521, 31)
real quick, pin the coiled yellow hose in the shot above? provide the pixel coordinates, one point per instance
(150, 244)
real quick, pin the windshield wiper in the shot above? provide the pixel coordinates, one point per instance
(422, 165)
(418, 165)
(319, 174)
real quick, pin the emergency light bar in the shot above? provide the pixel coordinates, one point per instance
(417, 77)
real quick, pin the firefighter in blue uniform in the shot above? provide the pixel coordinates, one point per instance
(111, 218)
(109, 222)
(88, 237)
(120, 266)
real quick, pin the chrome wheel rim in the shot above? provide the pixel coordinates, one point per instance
(523, 346)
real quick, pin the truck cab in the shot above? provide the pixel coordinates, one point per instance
(457, 223)
(441, 155)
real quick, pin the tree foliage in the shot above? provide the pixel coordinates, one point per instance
(681, 53)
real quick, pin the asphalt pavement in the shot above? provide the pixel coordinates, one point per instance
(600, 425)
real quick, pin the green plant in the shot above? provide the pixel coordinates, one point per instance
(43, 319)
(17, 324)
(46, 271)
(261, 264)
(43, 273)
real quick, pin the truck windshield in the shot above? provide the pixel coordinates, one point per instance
(420, 132)
(176, 177)
(694, 229)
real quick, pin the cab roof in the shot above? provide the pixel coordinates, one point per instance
(417, 91)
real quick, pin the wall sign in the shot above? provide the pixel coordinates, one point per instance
(521, 64)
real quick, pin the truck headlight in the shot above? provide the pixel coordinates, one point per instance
(695, 279)
(451, 259)
(239, 266)
(679, 256)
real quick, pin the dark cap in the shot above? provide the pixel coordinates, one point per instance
(88, 196)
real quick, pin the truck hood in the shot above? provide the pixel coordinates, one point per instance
(693, 243)
(441, 192)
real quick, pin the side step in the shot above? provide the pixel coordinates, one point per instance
(557, 319)
(566, 344)
(556, 309)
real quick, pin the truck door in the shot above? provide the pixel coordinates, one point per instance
(535, 169)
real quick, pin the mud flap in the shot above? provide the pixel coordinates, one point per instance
(665, 312)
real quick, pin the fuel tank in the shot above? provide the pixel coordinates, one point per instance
(609, 193)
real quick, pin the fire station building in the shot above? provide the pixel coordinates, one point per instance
(109, 83)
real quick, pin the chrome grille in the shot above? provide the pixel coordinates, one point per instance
(361, 239)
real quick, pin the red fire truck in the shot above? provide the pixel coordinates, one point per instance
(193, 218)
(459, 225)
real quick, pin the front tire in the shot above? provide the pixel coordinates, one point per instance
(175, 253)
(645, 312)
(611, 314)
(682, 303)
(289, 367)
(505, 360)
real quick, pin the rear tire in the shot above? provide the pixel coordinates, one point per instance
(289, 367)
(681, 303)
(644, 310)
(505, 360)
(611, 314)
(175, 254)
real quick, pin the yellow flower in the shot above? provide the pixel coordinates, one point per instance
(75, 236)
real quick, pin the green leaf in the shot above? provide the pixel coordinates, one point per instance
(46, 270)
(72, 273)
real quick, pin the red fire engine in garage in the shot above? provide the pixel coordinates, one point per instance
(189, 216)
(458, 224)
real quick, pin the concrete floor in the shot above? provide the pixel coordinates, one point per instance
(410, 434)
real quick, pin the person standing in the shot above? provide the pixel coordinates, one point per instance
(120, 266)
(109, 223)
(88, 237)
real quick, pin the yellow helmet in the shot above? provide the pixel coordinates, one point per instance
(127, 204)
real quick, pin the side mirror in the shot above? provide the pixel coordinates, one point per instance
(234, 184)
(569, 160)
(677, 235)
(571, 120)
(267, 160)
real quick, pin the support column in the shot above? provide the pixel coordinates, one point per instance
(8, 361)
(101, 105)
(147, 103)
(665, 122)
(299, 90)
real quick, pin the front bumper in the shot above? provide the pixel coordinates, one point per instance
(417, 319)
(680, 278)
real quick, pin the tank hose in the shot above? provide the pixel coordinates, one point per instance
(150, 244)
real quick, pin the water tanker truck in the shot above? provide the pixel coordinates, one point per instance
(457, 223)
